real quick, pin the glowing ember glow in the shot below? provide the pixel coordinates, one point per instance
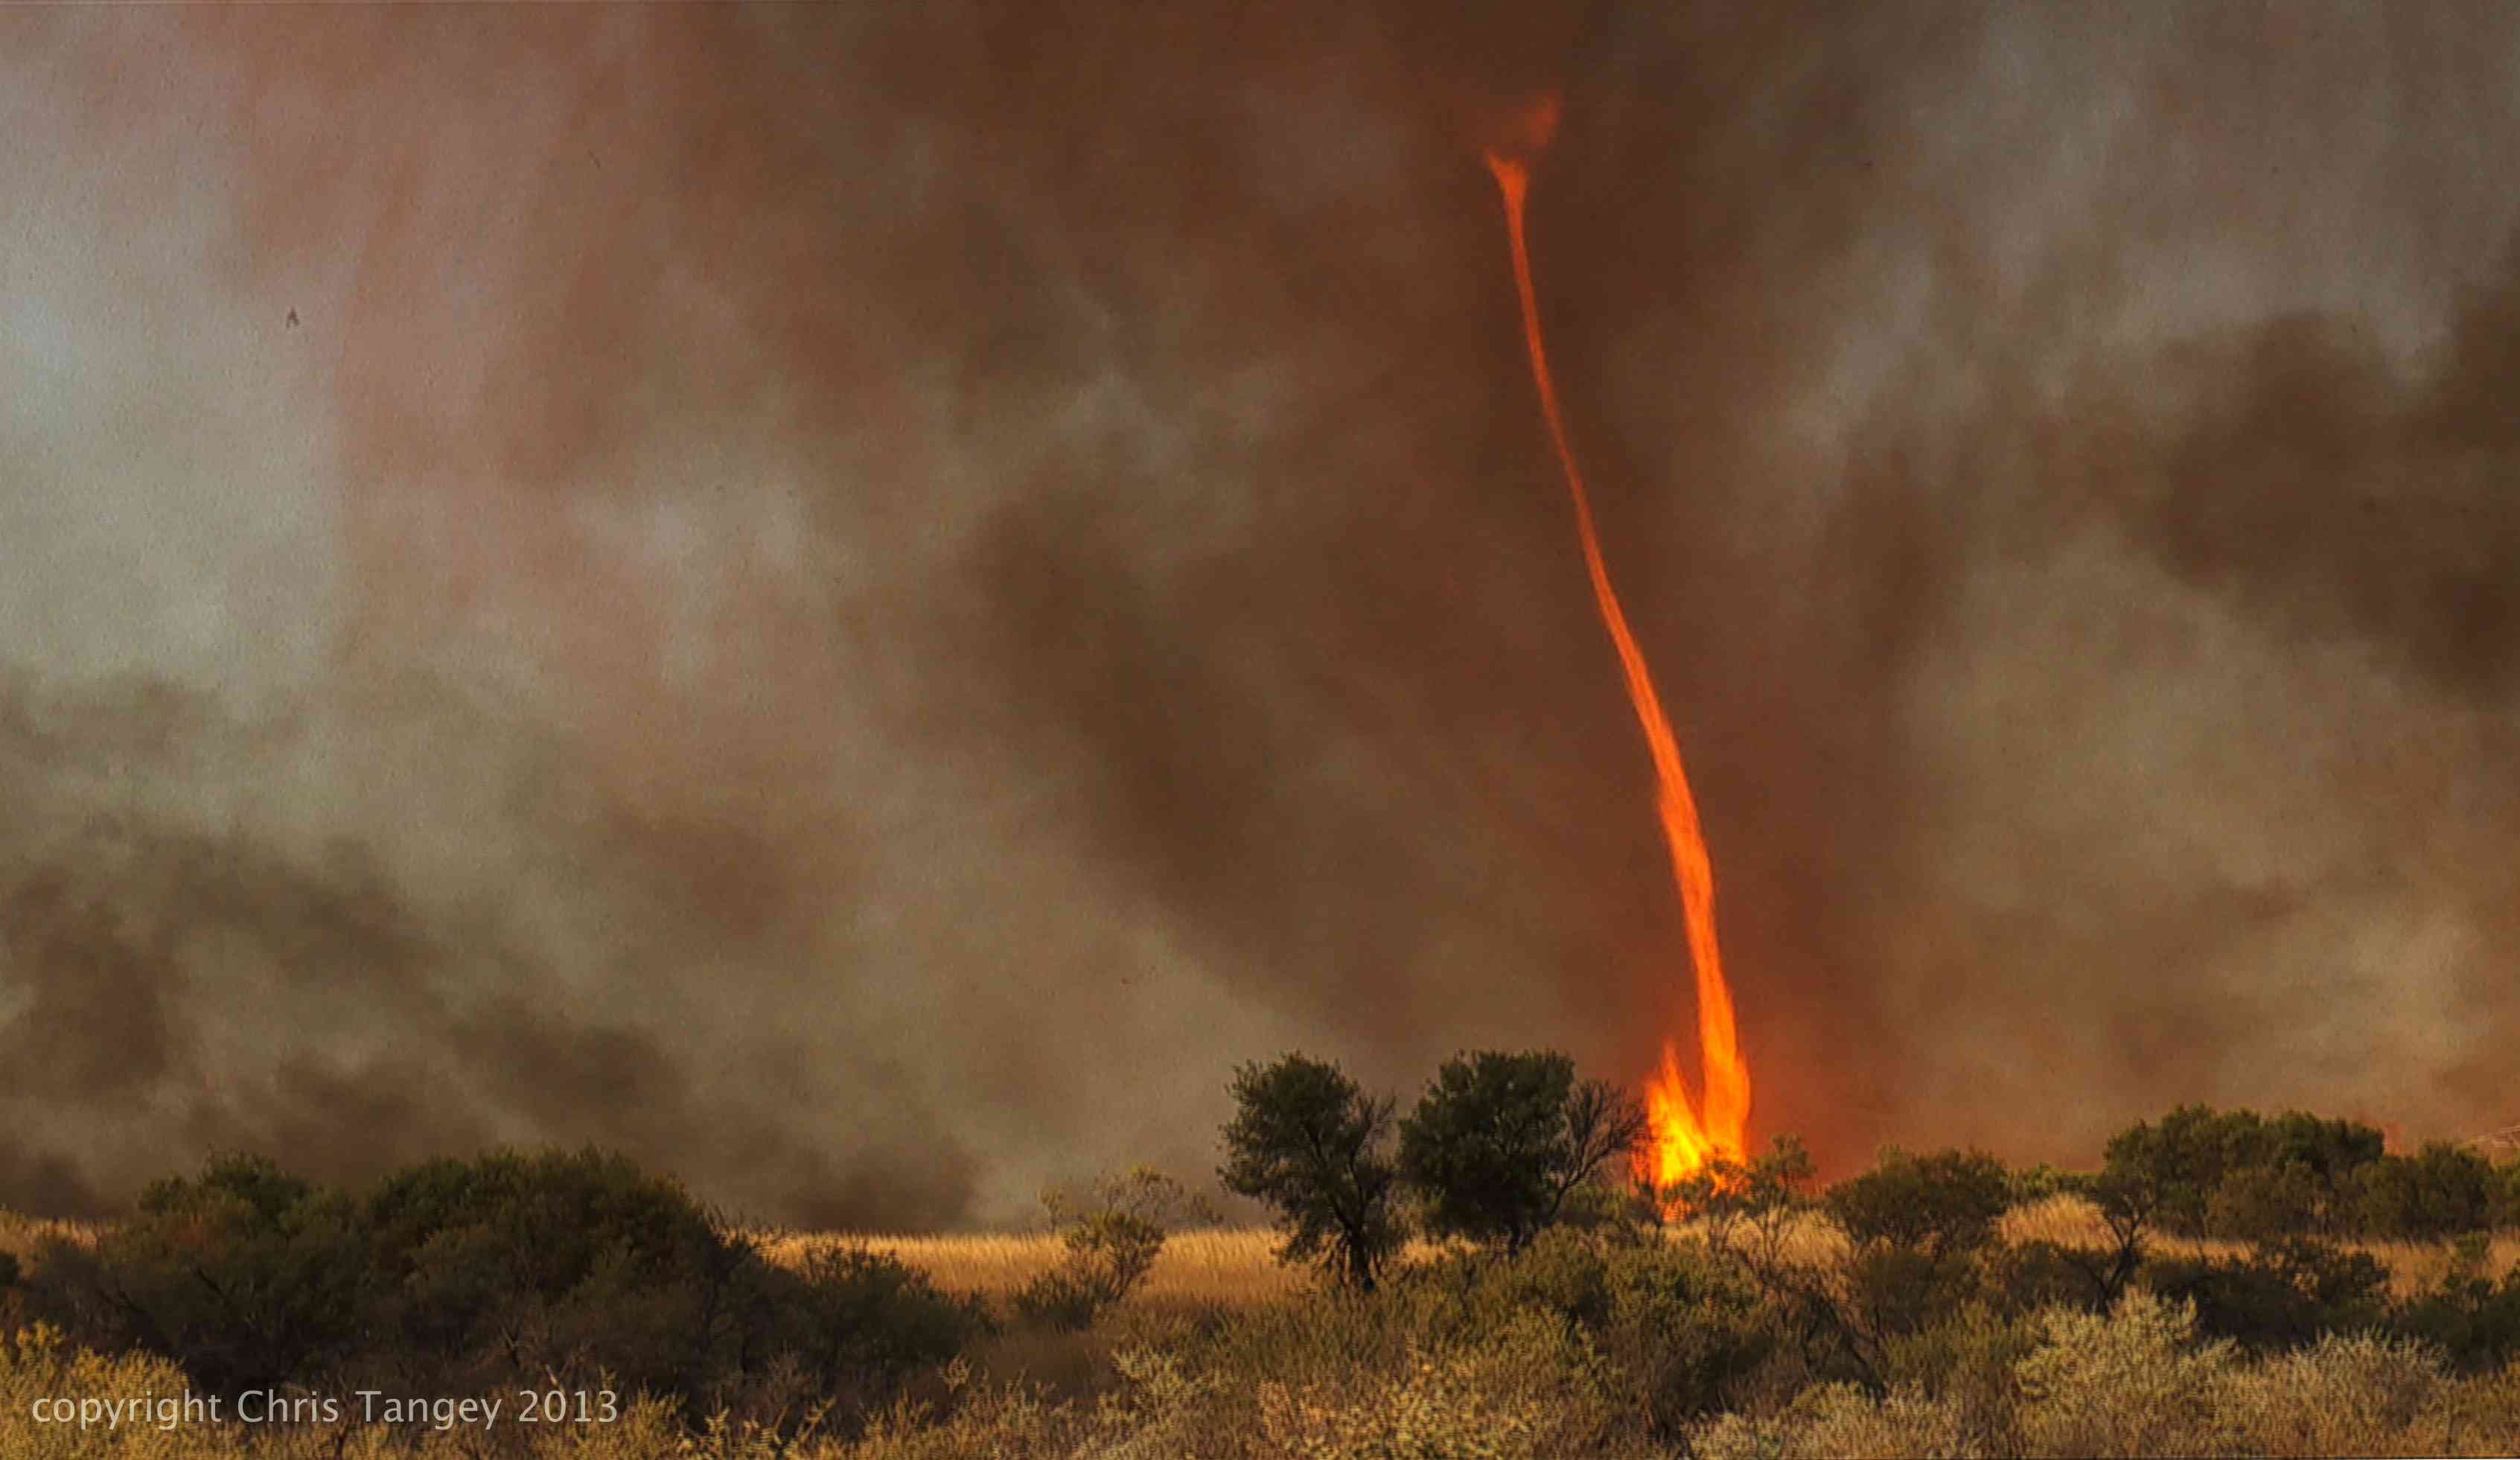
(1686, 1134)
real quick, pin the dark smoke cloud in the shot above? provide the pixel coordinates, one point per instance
(860, 600)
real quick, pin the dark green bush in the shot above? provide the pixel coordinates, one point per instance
(2474, 1321)
(2027, 1276)
(454, 1277)
(577, 1263)
(858, 1323)
(1916, 1229)
(1943, 1205)
(2439, 1192)
(245, 1275)
(2277, 1295)
(2237, 1174)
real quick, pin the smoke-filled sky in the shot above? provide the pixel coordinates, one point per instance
(861, 598)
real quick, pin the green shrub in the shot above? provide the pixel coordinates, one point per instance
(455, 1277)
(1946, 1203)
(2237, 1174)
(2439, 1192)
(245, 1275)
(858, 1323)
(577, 1263)
(2473, 1320)
(2025, 1277)
(2277, 1295)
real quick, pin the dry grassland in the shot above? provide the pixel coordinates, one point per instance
(1235, 1265)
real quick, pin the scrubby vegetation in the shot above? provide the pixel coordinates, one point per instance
(560, 1273)
(2223, 1283)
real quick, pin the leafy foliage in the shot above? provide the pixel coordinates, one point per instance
(1501, 1141)
(456, 1277)
(2440, 1191)
(1307, 1140)
(2277, 1295)
(2468, 1317)
(2237, 1174)
(1944, 1205)
(244, 1274)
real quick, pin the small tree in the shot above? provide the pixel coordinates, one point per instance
(1307, 1140)
(1501, 1140)
(2128, 1205)
(1112, 1236)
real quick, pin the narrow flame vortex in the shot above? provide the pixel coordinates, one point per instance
(1686, 1134)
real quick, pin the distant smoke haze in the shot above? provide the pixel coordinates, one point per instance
(861, 600)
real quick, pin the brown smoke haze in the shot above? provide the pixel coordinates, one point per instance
(858, 600)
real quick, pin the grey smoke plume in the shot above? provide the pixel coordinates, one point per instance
(860, 600)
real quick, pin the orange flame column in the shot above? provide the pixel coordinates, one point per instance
(1685, 1134)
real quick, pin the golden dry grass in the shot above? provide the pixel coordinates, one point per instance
(21, 1235)
(1229, 1265)
(1215, 1265)
(1205, 1265)
(2073, 1222)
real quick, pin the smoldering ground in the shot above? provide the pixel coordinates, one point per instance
(860, 600)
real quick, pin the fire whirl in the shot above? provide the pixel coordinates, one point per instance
(1686, 1134)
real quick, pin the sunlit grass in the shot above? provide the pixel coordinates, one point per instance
(1230, 1266)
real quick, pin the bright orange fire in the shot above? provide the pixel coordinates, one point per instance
(1686, 1134)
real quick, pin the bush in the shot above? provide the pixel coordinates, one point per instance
(1943, 1205)
(2473, 1320)
(2356, 1395)
(245, 1275)
(2137, 1382)
(856, 1324)
(1971, 1363)
(1111, 1240)
(2024, 1277)
(2237, 1174)
(2131, 1381)
(1832, 1420)
(1529, 1390)
(510, 1267)
(454, 1277)
(1687, 1333)
(2281, 1295)
(1915, 1227)
(2439, 1192)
